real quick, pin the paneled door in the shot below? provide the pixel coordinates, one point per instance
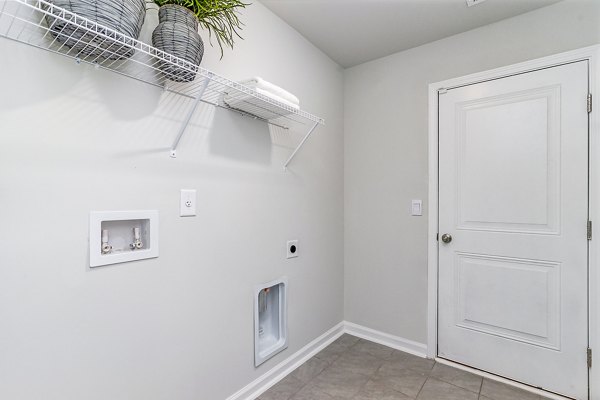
(513, 211)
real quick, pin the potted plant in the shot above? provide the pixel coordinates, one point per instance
(177, 32)
(122, 16)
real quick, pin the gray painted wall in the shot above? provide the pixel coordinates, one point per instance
(74, 139)
(385, 141)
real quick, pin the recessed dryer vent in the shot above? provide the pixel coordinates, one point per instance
(270, 320)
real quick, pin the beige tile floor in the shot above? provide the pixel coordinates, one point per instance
(356, 369)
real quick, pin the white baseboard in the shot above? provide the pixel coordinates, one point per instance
(284, 368)
(395, 342)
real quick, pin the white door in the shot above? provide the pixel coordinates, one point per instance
(513, 190)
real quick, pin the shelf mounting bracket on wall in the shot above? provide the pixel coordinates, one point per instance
(189, 116)
(301, 144)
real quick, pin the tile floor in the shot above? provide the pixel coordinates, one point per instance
(356, 369)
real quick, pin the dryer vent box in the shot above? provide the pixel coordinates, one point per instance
(270, 320)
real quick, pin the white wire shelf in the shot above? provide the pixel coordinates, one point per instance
(41, 24)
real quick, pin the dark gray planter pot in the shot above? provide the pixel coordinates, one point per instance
(177, 34)
(124, 16)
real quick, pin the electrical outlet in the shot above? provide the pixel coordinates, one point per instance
(187, 206)
(292, 249)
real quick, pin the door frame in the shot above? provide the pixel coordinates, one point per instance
(592, 55)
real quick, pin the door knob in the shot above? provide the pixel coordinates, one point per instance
(446, 238)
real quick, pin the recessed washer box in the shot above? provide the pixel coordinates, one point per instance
(122, 236)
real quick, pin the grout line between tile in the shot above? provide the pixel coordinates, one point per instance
(422, 386)
(297, 391)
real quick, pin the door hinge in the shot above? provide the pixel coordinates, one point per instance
(589, 103)
(589, 357)
(437, 237)
(589, 230)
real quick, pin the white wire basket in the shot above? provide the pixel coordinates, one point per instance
(124, 16)
(26, 21)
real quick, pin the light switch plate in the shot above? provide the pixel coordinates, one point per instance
(187, 206)
(416, 207)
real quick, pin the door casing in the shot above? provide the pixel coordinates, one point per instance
(592, 54)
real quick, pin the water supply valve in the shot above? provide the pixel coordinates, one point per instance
(106, 248)
(137, 242)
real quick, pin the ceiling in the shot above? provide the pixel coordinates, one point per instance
(352, 32)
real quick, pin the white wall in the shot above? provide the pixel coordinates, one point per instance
(75, 139)
(385, 120)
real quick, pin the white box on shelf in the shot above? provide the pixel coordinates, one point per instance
(122, 236)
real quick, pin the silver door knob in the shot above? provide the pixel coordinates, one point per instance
(446, 238)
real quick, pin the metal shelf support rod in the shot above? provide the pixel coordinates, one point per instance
(301, 144)
(189, 117)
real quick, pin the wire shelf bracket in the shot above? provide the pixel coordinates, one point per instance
(41, 24)
(188, 118)
(300, 145)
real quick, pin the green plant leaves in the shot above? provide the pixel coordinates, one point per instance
(219, 17)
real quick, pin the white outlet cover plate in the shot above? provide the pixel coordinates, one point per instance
(187, 206)
(289, 253)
